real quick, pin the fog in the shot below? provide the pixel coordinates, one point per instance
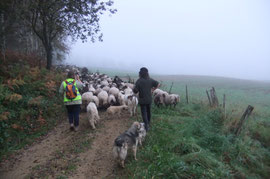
(229, 38)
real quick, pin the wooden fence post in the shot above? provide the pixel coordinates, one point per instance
(224, 105)
(209, 99)
(214, 97)
(171, 88)
(243, 119)
(187, 94)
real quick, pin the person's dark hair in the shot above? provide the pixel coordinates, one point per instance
(143, 73)
(70, 74)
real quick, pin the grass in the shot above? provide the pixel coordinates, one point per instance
(196, 141)
(196, 146)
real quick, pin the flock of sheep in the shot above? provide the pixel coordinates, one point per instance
(116, 96)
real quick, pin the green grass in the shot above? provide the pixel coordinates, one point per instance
(195, 141)
(239, 93)
(196, 146)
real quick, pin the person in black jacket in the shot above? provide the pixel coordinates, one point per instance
(145, 85)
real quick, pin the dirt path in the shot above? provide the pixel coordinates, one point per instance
(67, 154)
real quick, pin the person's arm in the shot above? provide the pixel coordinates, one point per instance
(136, 88)
(155, 85)
(61, 89)
(154, 88)
(78, 82)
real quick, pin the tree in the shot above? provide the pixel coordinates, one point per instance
(5, 11)
(54, 20)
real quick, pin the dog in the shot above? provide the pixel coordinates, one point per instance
(128, 139)
(142, 133)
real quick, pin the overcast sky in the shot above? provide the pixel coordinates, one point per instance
(228, 38)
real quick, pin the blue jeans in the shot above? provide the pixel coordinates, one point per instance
(146, 114)
(74, 114)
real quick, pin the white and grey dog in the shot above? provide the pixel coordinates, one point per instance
(142, 133)
(125, 141)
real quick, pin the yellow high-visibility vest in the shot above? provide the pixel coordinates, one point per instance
(78, 97)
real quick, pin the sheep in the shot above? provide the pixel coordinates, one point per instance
(111, 99)
(92, 114)
(159, 91)
(95, 100)
(85, 87)
(158, 100)
(86, 99)
(132, 103)
(130, 85)
(112, 110)
(121, 98)
(114, 91)
(128, 90)
(175, 99)
(97, 91)
(106, 88)
(171, 99)
(104, 82)
(92, 89)
(103, 98)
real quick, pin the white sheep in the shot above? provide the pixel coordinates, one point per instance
(159, 91)
(128, 90)
(112, 110)
(104, 82)
(121, 98)
(171, 99)
(111, 99)
(159, 100)
(92, 114)
(95, 100)
(92, 89)
(86, 99)
(130, 85)
(175, 99)
(106, 88)
(114, 91)
(103, 98)
(97, 91)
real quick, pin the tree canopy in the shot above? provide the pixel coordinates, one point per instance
(55, 20)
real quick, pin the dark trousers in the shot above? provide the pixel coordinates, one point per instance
(74, 114)
(146, 114)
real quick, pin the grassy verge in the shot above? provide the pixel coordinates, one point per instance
(192, 141)
(29, 102)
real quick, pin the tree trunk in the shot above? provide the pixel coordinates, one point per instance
(3, 38)
(49, 56)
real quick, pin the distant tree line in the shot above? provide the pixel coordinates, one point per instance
(43, 26)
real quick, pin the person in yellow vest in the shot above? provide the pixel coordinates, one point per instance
(73, 104)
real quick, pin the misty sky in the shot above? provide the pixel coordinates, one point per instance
(228, 38)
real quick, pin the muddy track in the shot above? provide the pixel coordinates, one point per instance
(67, 154)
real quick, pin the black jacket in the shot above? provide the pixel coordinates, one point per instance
(144, 86)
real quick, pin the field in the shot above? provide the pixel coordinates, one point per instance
(194, 140)
(189, 141)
